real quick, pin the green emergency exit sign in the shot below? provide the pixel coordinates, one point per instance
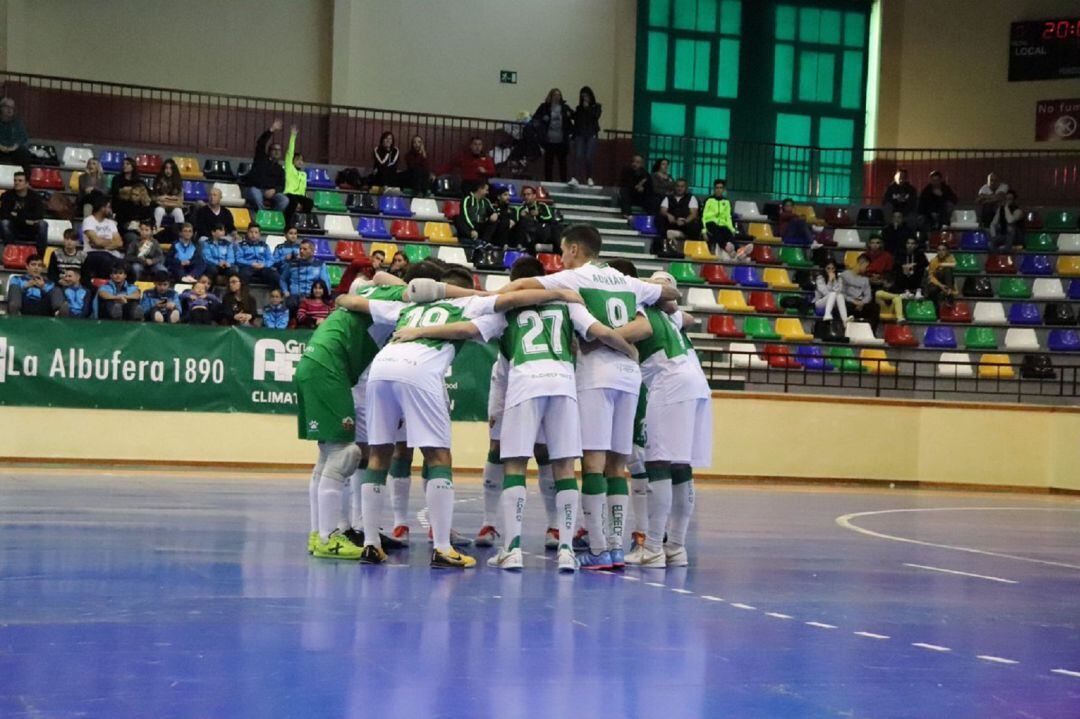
(508, 77)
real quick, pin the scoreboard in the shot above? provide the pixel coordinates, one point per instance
(1045, 50)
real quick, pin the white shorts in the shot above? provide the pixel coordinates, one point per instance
(680, 433)
(607, 419)
(359, 396)
(398, 411)
(534, 420)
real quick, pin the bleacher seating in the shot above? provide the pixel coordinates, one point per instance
(148, 163)
(1014, 288)
(439, 232)
(423, 208)
(716, 275)
(340, 226)
(111, 160)
(194, 191)
(373, 228)
(14, 256)
(406, 230)
(189, 167)
(218, 170)
(417, 253)
(748, 211)
(870, 217)
(7, 176)
(764, 302)
(644, 224)
(270, 220)
(744, 355)
(954, 364)
(318, 178)
(43, 154)
(329, 201)
(75, 158)
(230, 194)
(964, 220)
(394, 206)
(349, 250)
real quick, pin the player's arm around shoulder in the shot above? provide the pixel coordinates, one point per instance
(385, 279)
(613, 339)
(353, 303)
(526, 297)
(636, 330)
(524, 283)
(452, 332)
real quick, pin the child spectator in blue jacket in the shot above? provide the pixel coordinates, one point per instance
(287, 249)
(118, 299)
(219, 255)
(161, 304)
(300, 274)
(201, 306)
(32, 293)
(275, 314)
(185, 260)
(254, 262)
(72, 298)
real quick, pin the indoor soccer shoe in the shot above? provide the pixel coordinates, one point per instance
(312, 540)
(337, 546)
(486, 536)
(581, 541)
(635, 555)
(589, 561)
(451, 560)
(457, 539)
(356, 536)
(399, 537)
(551, 538)
(372, 555)
(618, 561)
(506, 560)
(676, 556)
(645, 558)
(567, 561)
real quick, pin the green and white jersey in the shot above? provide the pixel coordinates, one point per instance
(669, 366)
(536, 346)
(345, 341)
(422, 363)
(614, 299)
(392, 293)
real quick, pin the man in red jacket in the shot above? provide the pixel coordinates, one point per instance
(471, 166)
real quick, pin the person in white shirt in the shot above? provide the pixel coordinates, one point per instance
(102, 239)
(990, 197)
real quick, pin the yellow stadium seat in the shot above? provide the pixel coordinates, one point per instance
(1069, 265)
(144, 286)
(851, 258)
(241, 217)
(733, 301)
(439, 232)
(876, 361)
(791, 330)
(807, 213)
(189, 168)
(389, 248)
(698, 250)
(48, 256)
(995, 366)
(73, 183)
(779, 279)
(762, 232)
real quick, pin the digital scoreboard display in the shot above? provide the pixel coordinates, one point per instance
(1045, 50)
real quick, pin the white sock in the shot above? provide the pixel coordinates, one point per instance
(547, 491)
(356, 514)
(513, 511)
(493, 487)
(682, 508)
(440, 501)
(639, 501)
(566, 503)
(313, 497)
(616, 519)
(592, 516)
(659, 508)
(399, 498)
(347, 489)
(330, 491)
(371, 496)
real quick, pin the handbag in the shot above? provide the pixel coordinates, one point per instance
(60, 206)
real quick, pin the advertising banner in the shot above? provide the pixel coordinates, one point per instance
(1057, 120)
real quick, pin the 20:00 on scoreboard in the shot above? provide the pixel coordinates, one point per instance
(1045, 50)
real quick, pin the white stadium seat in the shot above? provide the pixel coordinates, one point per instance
(744, 355)
(988, 313)
(56, 231)
(1069, 242)
(7, 176)
(848, 239)
(1021, 338)
(75, 157)
(1048, 288)
(964, 220)
(954, 364)
(701, 298)
(860, 333)
(454, 256)
(230, 194)
(493, 283)
(426, 209)
(273, 241)
(745, 210)
(340, 226)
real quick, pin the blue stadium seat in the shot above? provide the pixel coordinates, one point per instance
(373, 228)
(194, 191)
(1037, 265)
(645, 224)
(394, 206)
(974, 241)
(1074, 290)
(498, 187)
(322, 249)
(748, 277)
(112, 160)
(510, 257)
(1025, 313)
(1064, 341)
(318, 178)
(940, 337)
(812, 360)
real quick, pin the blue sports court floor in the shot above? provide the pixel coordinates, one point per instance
(137, 594)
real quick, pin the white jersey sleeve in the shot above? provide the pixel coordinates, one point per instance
(561, 280)
(490, 326)
(385, 312)
(479, 306)
(582, 319)
(647, 293)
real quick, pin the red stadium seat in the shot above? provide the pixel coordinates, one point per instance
(838, 217)
(46, 178)
(542, 194)
(15, 256)
(552, 262)
(777, 356)
(451, 209)
(716, 275)
(349, 250)
(937, 238)
(724, 326)
(900, 336)
(148, 164)
(1033, 220)
(1000, 265)
(955, 312)
(406, 230)
(764, 255)
(763, 302)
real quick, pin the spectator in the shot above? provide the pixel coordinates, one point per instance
(476, 223)
(218, 254)
(13, 138)
(237, 306)
(138, 208)
(266, 178)
(635, 186)
(118, 299)
(185, 261)
(399, 265)
(161, 304)
(287, 250)
(121, 185)
(940, 284)
(663, 184)
(678, 220)
(31, 293)
(793, 228)
(144, 256)
(386, 157)
(299, 273)
(857, 293)
(936, 203)
(535, 223)
(315, 307)
(275, 315)
(91, 182)
(67, 257)
(829, 292)
(295, 181)
(717, 217)
(378, 262)
(896, 234)
(253, 259)
(213, 213)
(101, 238)
(554, 123)
(586, 133)
(418, 168)
(1007, 227)
(906, 280)
(22, 215)
(201, 306)
(901, 196)
(472, 166)
(506, 218)
(990, 197)
(879, 270)
(71, 298)
(168, 194)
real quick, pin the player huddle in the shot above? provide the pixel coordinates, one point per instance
(574, 349)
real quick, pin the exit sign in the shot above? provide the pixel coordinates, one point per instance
(508, 77)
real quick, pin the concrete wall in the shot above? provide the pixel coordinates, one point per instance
(756, 437)
(944, 75)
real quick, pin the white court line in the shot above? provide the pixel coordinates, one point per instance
(820, 625)
(931, 647)
(654, 584)
(996, 660)
(681, 591)
(628, 578)
(962, 574)
(737, 605)
(711, 598)
(871, 635)
(778, 615)
(845, 522)
(1066, 672)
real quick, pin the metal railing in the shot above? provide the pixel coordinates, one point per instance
(103, 113)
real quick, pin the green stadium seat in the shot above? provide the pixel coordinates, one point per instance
(980, 338)
(781, 296)
(759, 328)
(794, 257)
(967, 263)
(416, 253)
(1061, 221)
(330, 201)
(1042, 242)
(685, 273)
(920, 311)
(335, 272)
(1014, 288)
(270, 220)
(845, 360)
